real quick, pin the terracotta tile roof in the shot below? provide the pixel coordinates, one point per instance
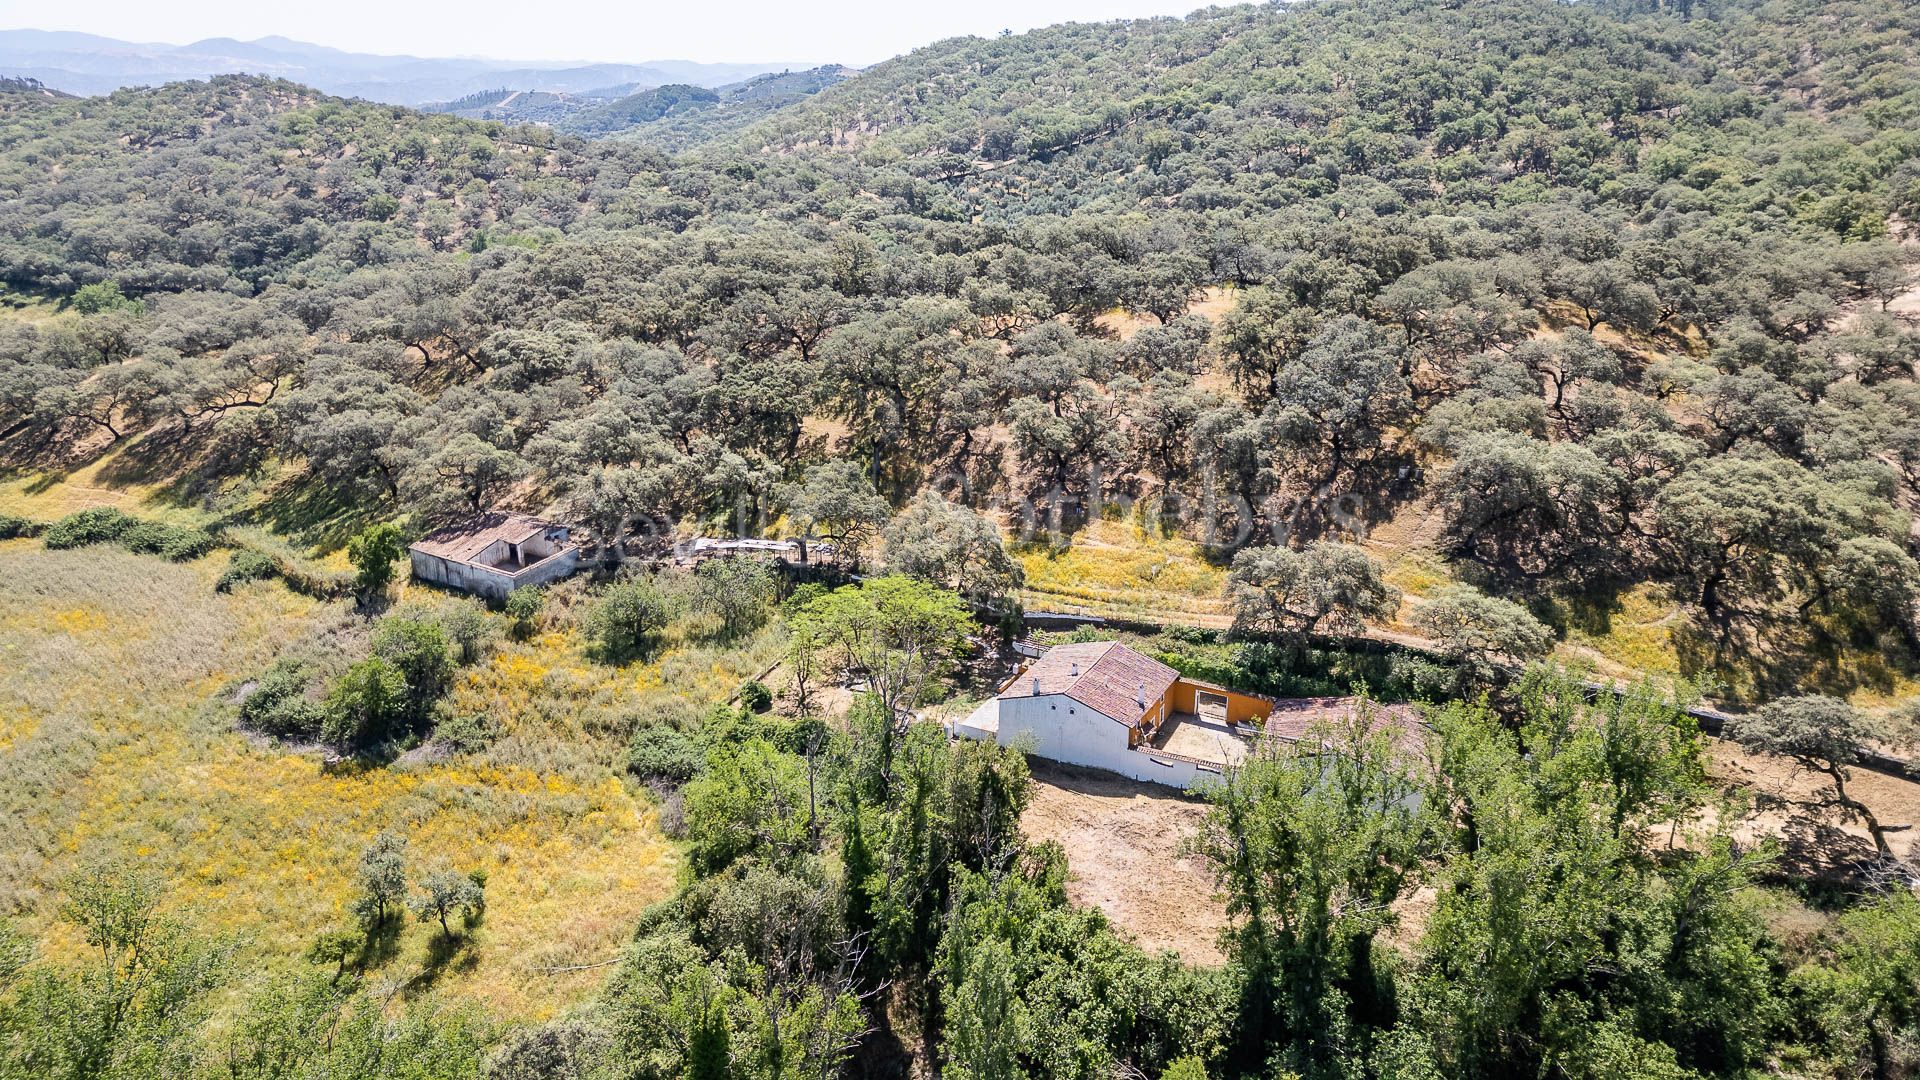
(465, 541)
(1292, 718)
(1103, 675)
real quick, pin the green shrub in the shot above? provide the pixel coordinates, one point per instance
(803, 595)
(373, 553)
(319, 584)
(168, 541)
(13, 527)
(291, 565)
(1420, 678)
(1191, 635)
(626, 618)
(466, 626)
(1186, 1068)
(278, 703)
(466, 732)
(366, 705)
(664, 755)
(801, 736)
(418, 650)
(104, 524)
(245, 566)
(100, 525)
(755, 697)
(185, 545)
(523, 609)
(104, 296)
(145, 537)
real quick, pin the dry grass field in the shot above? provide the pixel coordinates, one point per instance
(1116, 567)
(48, 496)
(115, 740)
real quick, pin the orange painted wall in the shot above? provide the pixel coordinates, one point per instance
(1151, 720)
(1240, 707)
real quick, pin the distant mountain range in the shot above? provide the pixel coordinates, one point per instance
(89, 64)
(674, 116)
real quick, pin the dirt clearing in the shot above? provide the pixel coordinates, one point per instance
(1123, 841)
(1787, 804)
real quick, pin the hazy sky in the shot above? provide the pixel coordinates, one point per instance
(844, 31)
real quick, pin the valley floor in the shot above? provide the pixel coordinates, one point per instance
(114, 739)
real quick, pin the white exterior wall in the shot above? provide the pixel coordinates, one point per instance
(1058, 728)
(492, 584)
(550, 569)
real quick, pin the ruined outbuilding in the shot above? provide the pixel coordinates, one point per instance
(494, 553)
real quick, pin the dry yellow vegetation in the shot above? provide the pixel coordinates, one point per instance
(1636, 638)
(49, 496)
(116, 741)
(16, 306)
(1118, 567)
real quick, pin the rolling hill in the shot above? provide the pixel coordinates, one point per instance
(90, 64)
(1473, 354)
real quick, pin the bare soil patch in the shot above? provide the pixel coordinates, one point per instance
(1788, 804)
(1123, 842)
(1214, 302)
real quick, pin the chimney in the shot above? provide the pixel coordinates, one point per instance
(1036, 686)
(1074, 669)
(1140, 695)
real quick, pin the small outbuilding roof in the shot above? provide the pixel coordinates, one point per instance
(465, 541)
(1105, 676)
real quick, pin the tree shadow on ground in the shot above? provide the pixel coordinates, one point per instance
(320, 515)
(359, 761)
(883, 1054)
(44, 482)
(380, 944)
(1754, 664)
(218, 468)
(1099, 782)
(155, 456)
(1589, 607)
(1812, 849)
(456, 954)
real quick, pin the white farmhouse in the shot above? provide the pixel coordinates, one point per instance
(1103, 705)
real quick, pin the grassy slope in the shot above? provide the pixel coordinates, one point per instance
(115, 740)
(112, 747)
(50, 496)
(1118, 568)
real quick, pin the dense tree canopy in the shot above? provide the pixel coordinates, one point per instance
(1603, 283)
